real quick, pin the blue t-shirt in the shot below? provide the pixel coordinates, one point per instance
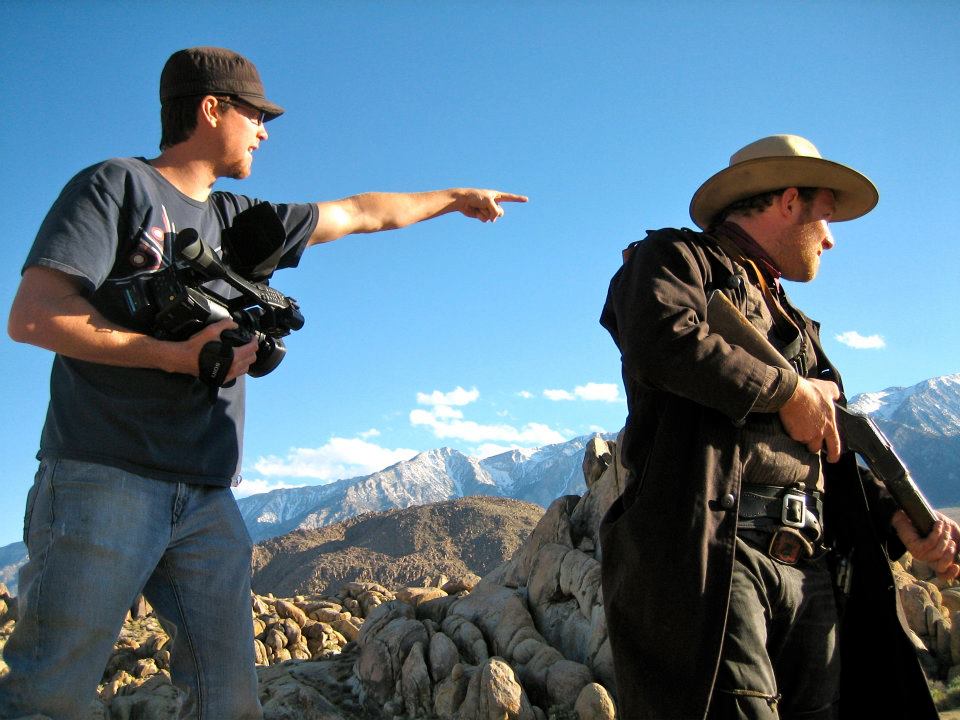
(112, 226)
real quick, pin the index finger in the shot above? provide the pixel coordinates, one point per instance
(214, 329)
(832, 441)
(904, 527)
(225, 324)
(510, 197)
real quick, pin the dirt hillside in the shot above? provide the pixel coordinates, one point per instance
(396, 548)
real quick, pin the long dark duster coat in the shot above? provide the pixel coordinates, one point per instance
(668, 541)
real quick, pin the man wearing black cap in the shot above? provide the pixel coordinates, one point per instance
(740, 512)
(137, 455)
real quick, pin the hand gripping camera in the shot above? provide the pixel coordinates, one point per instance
(186, 303)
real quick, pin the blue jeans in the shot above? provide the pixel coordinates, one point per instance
(97, 537)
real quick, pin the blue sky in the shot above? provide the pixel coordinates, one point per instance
(608, 115)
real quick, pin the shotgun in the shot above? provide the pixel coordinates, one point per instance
(858, 432)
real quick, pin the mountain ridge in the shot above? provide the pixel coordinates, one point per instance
(931, 406)
(536, 476)
(922, 422)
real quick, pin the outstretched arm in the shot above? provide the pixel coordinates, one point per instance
(373, 212)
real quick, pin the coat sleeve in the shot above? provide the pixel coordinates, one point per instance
(656, 312)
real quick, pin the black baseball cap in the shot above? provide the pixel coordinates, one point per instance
(212, 71)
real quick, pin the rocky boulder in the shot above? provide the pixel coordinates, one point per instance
(528, 641)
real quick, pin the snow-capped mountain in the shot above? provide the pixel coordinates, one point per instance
(11, 558)
(930, 406)
(540, 476)
(536, 476)
(922, 423)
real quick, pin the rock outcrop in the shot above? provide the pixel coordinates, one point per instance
(529, 641)
(303, 670)
(932, 611)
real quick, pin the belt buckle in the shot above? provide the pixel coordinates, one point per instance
(793, 511)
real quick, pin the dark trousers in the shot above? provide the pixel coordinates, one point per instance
(780, 658)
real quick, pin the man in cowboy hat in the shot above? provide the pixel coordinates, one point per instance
(719, 603)
(143, 436)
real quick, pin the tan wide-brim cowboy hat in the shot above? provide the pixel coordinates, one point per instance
(782, 161)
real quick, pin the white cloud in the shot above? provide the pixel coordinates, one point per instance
(445, 411)
(448, 423)
(457, 397)
(372, 432)
(470, 431)
(255, 486)
(603, 392)
(339, 458)
(525, 394)
(855, 340)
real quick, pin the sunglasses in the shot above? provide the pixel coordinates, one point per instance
(259, 117)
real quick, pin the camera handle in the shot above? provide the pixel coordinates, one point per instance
(216, 357)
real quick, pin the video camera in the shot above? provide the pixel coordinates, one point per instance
(185, 303)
